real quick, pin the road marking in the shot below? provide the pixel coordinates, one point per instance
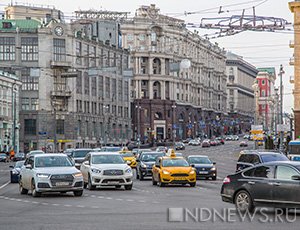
(2, 186)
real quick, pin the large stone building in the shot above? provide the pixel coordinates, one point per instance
(240, 94)
(9, 116)
(189, 101)
(74, 91)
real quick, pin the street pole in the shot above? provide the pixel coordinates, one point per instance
(138, 126)
(15, 118)
(55, 137)
(281, 72)
(173, 125)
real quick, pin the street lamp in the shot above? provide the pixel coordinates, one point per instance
(138, 107)
(173, 124)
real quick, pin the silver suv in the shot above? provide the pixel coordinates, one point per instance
(106, 169)
(50, 173)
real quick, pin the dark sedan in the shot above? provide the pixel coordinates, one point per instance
(145, 163)
(15, 171)
(179, 146)
(205, 168)
(19, 157)
(274, 184)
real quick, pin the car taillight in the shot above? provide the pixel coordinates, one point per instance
(226, 180)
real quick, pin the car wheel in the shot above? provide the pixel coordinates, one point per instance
(214, 178)
(161, 184)
(78, 193)
(118, 186)
(90, 186)
(193, 184)
(141, 176)
(153, 181)
(243, 201)
(84, 185)
(22, 190)
(137, 174)
(33, 190)
(128, 187)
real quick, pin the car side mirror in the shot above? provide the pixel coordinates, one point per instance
(28, 166)
(86, 163)
(137, 160)
(11, 166)
(193, 165)
(296, 177)
(214, 163)
(157, 166)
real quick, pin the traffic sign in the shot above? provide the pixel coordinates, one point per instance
(256, 127)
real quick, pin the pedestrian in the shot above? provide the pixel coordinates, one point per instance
(12, 154)
(7, 157)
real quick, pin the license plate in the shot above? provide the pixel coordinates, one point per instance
(203, 172)
(113, 182)
(180, 178)
(62, 183)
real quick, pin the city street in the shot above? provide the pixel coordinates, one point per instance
(145, 207)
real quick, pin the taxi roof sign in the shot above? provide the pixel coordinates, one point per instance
(171, 153)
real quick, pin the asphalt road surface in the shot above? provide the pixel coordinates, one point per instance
(145, 207)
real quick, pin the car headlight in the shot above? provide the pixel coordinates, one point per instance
(143, 166)
(213, 169)
(128, 170)
(15, 172)
(165, 172)
(96, 170)
(79, 174)
(192, 172)
(42, 175)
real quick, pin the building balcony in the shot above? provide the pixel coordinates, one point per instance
(60, 64)
(292, 44)
(61, 93)
(292, 61)
(292, 78)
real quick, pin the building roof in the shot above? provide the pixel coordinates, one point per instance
(269, 70)
(20, 23)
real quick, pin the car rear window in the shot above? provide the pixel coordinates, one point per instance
(81, 153)
(273, 157)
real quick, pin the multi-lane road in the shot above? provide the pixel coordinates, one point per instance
(145, 207)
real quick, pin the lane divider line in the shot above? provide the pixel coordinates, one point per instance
(4, 185)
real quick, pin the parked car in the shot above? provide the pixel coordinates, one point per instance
(243, 144)
(161, 149)
(213, 143)
(205, 143)
(78, 156)
(229, 138)
(235, 138)
(145, 163)
(194, 142)
(205, 168)
(2, 157)
(179, 146)
(15, 171)
(274, 184)
(221, 140)
(246, 136)
(254, 157)
(106, 169)
(50, 172)
(19, 157)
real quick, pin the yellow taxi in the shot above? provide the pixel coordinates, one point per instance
(129, 157)
(173, 170)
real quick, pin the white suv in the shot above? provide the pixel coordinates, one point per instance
(50, 173)
(106, 169)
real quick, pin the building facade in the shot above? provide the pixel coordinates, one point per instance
(240, 94)
(9, 116)
(74, 91)
(267, 103)
(179, 83)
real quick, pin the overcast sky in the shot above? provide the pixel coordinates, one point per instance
(262, 49)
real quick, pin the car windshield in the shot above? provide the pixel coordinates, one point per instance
(19, 164)
(296, 158)
(127, 154)
(2, 154)
(80, 153)
(107, 159)
(175, 163)
(199, 160)
(150, 157)
(52, 161)
(110, 149)
(273, 157)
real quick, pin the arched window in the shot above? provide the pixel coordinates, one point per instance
(156, 90)
(156, 66)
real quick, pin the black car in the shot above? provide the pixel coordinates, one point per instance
(19, 157)
(275, 184)
(15, 171)
(253, 157)
(205, 168)
(179, 146)
(2, 157)
(145, 162)
(78, 155)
